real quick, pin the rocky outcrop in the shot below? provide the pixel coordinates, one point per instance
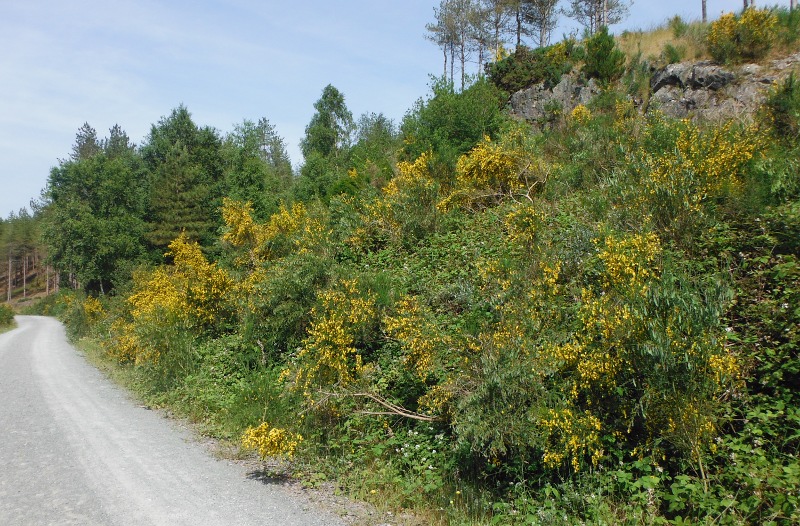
(710, 92)
(700, 90)
(539, 104)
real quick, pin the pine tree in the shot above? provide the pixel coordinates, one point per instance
(86, 143)
(185, 177)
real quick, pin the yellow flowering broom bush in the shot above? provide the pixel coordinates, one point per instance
(330, 355)
(191, 295)
(496, 170)
(271, 441)
(405, 210)
(748, 36)
(289, 230)
(685, 169)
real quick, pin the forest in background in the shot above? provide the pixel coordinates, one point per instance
(588, 320)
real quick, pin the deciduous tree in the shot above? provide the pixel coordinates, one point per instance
(93, 208)
(541, 16)
(594, 14)
(257, 168)
(325, 145)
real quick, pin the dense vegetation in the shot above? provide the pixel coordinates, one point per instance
(594, 323)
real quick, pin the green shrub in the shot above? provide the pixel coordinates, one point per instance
(678, 26)
(788, 22)
(232, 388)
(526, 67)
(783, 110)
(673, 54)
(6, 315)
(450, 123)
(73, 315)
(604, 60)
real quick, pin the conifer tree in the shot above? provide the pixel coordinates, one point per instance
(185, 178)
(86, 143)
(180, 197)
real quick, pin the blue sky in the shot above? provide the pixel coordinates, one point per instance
(109, 62)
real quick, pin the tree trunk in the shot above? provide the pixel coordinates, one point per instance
(705, 12)
(9, 278)
(25, 277)
(463, 64)
(452, 63)
(47, 280)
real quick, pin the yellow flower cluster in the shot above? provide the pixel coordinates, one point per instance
(297, 223)
(410, 194)
(271, 441)
(418, 336)
(580, 114)
(410, 176)
(626, 118)
(546, 287)
(522, 223)
(608, 321)
(496, 279)
(691, 426)
(571, 435)
(328, 354)
(437, 398)
(749, 36)
(630, 261)
(491, 170)
(722, 31)
(93, 310)
(759, 23)
(702, 165)
(238, 217)
(489, 165)
(287, 230)
(124, 345)
(725, 367)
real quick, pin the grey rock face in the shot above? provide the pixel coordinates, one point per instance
(706, 91)
(537, 103)
(700, 90)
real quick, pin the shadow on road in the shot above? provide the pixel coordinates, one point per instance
(270, 476)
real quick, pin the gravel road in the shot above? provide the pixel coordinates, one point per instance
(75, 449)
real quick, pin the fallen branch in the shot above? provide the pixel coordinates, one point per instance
(394, 409)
